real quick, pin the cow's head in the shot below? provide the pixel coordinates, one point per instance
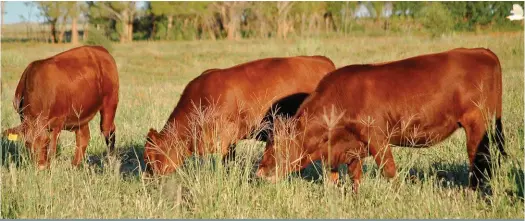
(36, 137)
(160, 156)
(279, 161)
(267, 165)
(312, 142)
(283, 154)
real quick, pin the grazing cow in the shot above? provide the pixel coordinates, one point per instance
(361, 110)
(240, 97)
(65, 92)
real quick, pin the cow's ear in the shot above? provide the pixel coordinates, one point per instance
(152, 132)
(152, 136)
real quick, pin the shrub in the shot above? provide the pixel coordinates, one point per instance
(436, 19)
(96, 37)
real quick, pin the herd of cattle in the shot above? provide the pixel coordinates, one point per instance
(415, 102)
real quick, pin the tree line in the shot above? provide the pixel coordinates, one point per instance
(125, 22)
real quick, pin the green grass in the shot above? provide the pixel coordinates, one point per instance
(152, 77)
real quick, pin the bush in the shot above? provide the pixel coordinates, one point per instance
(436, 19)
(96, 37)
(178, 31)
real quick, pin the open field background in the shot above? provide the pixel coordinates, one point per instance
(152, 77)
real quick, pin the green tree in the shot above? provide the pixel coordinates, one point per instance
(198, 12)
(311, 13)
(205, 17)
(340, 12)
(407, 9)
(122, 12)
(500, 10)
(467, 14)
(73, 12)
(377, 9)
(284, 26)
(53, 12)
(230, 13)
(168, 9)
(471, 16)
(344, 11)
(264, 18)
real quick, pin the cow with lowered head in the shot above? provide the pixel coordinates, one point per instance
(360, 110)
(221, 106)
(65, 92)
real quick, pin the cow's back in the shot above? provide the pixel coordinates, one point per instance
(267, 79)
(429, 92)
(251, 88)
(414, 79)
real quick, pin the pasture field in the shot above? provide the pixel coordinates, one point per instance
(152, 77)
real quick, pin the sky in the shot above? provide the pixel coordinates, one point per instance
(18, 11)
(15, 10)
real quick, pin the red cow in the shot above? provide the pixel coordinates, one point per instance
(240, 97)
(359, 110)
(65, 92)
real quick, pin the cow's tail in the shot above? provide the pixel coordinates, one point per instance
(18, 102)
(499, 135)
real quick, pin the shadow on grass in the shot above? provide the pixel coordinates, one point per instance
(130, 159)
(456, 176)
(14, 153)
(446, 175)
(517, 175)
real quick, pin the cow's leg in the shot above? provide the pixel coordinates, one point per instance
(230, 154)
(477, 148)
(40, 150)
(82, 137)
(355, 171)
(54, 134)
(334, 175)
(382, 154)
(500, 140)
(107, 121)
(236, 130)
(500, 137)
